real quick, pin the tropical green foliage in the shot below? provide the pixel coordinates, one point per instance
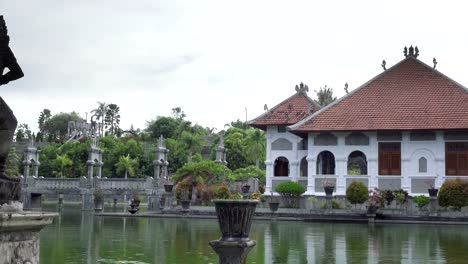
(203, 172)
(454, 193)
(357, 193)
(112, 118)
(57, 125)
(421, 201)
(249, 172)
(12, 163)
(127, 165)
(23, 133)
(62, 162)
(325, 96)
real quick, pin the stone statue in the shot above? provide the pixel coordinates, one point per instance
(10, 188)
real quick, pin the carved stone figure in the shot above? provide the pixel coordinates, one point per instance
(9, 187)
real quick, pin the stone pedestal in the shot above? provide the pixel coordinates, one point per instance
(232, 252)
(433, 205)
(19, 236)
(329, 198)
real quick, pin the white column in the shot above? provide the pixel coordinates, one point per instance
(440, 159)
(269, 176)
(341, 166)
(311, 164)
(405, 162)
(294, 172)
(372, 161)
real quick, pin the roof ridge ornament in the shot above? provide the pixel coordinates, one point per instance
(435, 63)
(302, 88)
(346, 87)
(383, 65)
(411, 52)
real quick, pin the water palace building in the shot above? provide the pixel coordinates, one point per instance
(405, 128)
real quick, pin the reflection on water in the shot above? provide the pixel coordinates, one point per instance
(77, 237)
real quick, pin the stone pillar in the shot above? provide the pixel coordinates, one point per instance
(269, 176)
(19, 236)
(311, 168)
(294, 173)
(340, 170)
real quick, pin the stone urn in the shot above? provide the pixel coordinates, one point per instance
(372, 209)
(185, 204)
(235, 220)
(245, 189)
(168, 188)
(133, 207)
(329, 190)
(433, 192)
(98, 205)
(273, 206)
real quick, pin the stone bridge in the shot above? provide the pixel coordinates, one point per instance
(35, 187)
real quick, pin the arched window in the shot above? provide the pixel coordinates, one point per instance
(325, 163)
(357, 163)
(281, 167)
(303, 167)
(422, 165)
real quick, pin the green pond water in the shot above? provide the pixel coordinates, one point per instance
(77, 237)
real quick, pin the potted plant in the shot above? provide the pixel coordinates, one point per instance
(184, 198)
(376, 201)
(328, 185)
(168, 186)
(98, 199)
(432, 191)
(136, 197)
(290, 193)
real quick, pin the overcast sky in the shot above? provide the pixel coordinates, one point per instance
(214, 58)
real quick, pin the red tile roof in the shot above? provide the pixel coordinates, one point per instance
(288, 112)
(409, 96)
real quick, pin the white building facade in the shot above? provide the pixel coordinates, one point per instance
(405, 129)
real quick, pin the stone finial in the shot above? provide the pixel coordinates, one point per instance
(383, 65)
(94, 141)
(435, 63)
(346, 87)
(265, 107)
(302, 88)
(412, 52)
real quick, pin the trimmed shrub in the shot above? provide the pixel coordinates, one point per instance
(290, 192)
(357, 193)
(454, 193)
(421, 201)
(401, 196)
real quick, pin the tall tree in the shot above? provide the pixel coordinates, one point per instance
(193, 143)
(256, 144)
(44, 118)
(126, 165)
(58, 124)
(23, 133)
(112, 118)
(325, 96)
(178, 113)
(100, 114)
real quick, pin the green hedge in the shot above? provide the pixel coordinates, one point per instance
(357, 193)
(290, 189)
(454, 193)
(421, 201)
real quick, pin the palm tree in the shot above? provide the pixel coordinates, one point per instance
(127, 165)
(192, 142)
(112, 118)
(44, 117)
(256, 145)
(63, 161)
(100, 114)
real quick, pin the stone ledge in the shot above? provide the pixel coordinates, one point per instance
(25, 221)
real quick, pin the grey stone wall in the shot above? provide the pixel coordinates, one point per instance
(19, 247)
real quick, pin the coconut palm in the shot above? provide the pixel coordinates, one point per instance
(63, 161)
(100, 114)
(127, 165)
(112, 118)
(256, 145)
